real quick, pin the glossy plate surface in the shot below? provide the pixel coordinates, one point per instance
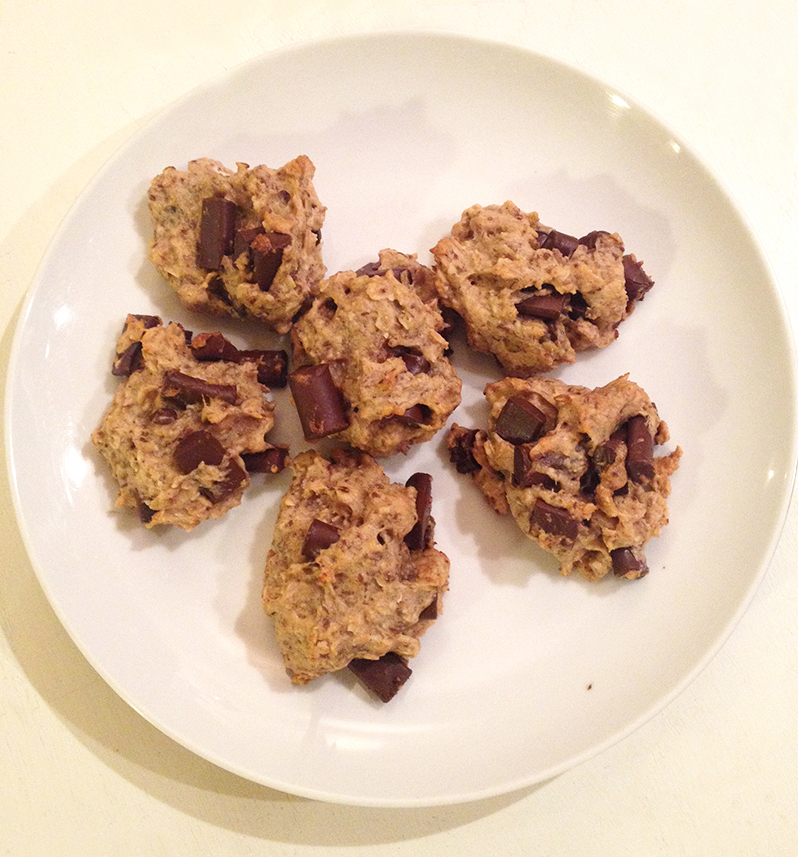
(526, 673)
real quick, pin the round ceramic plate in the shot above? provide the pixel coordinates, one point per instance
(526, 673)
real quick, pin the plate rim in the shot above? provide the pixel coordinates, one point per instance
(785, 498)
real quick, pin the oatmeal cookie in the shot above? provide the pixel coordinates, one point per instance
(533, 296)
(369, 359)
(352, 577)
(187, 422)
(577, 469)
(240, 243)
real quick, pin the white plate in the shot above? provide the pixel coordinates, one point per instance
(526, 673)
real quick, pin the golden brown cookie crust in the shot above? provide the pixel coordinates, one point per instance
(144, 425)
(280, 201)
(361, 325)
(493, 260)
(570, 470)
(363, 596)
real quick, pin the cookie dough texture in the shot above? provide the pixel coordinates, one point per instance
(156, 427)
(281, 201)
(602, 516)
(379, 330)
(364, 595)
(494, 260)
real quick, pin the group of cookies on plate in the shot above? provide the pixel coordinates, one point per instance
(352, 577)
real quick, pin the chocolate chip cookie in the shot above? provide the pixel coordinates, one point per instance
(576, 467)
(369, 359)
(533, 296)
(352, 577)
(187, 422)
(240, 243)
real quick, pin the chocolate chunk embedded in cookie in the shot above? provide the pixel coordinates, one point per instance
(240, 243)
(584, 484)
(180, 430)
(370, 359)
(533, 296)
(349, 576)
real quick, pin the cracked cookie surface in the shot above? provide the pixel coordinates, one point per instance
(348, 577)
(244, 242)
(576, 468)
(179, 428)
(378, 332)
(530, 295)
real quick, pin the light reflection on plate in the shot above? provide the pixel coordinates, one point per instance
(525, 674)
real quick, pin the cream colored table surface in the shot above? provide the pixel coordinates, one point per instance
(80, 772)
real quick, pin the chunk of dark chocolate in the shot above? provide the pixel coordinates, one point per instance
(554, 520)
(213, 346)
(217, 289)
(384, 676)
(327, 309)
(522, 466)
(370, 269)
(217, 228)
(524, 473)
(555, 240)
(461, 452)
(149, 321)
(548, 307)
(244, 238)
(416, 364)
(164, 416)
(414, 361)
(129, 361)
(272, 366)
(550, 459)
(319, 537)
(547, 408)
(305, 306)
(639, 450)
(318, 401)
(452, 321)
(590, 239)
(414, 415)
(624, 561)
(266, 251)
(228, 485)
(430, 612)
(419, 537)
(607, 452)
(146, 514)
(577, 306)
(269, 461)
(189, 390)
(522, 421)
(636, 279)
(590, 479)
(195, 448)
